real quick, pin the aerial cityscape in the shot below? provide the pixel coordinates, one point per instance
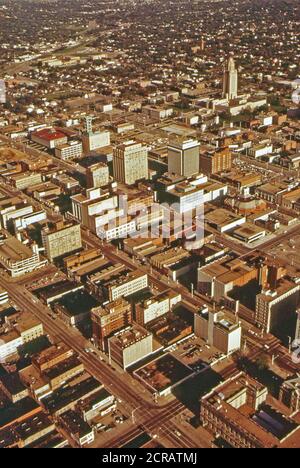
(150, 225)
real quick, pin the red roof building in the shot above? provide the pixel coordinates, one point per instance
(49, 137)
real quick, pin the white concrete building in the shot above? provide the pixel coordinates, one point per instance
(130, 346)
(69, 151)
(218, 330)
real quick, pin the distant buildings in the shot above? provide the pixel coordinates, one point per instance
(130, 163)
(183, 157)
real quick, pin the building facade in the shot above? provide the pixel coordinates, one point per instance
(97, 175)
(230, 80)
(130, 163)
(183, 157)
(108, 319)
(61, 239)
(218, 330)
(130, 346)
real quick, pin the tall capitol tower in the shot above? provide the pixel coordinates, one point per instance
(230, 84)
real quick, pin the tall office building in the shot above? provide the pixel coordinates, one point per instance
(183, 157)
(130, 346)
(60, 239)
(276, 309)
(218, 330)
(230, 83)
(108, 319)
(130, 162)
(297, 332)
(215, 161)
(97, 175)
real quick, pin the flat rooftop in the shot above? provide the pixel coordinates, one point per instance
(62, 367)
(78, 302)
(13, 250)
(34, 425)
(163, 373)
(283, 286)
(248, 230)
(71, 393)
(12, 383)
(56, 289)
(10, 413)
(127, 338)
(221, 217)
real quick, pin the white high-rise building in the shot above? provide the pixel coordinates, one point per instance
(130, 162)
(230, 83)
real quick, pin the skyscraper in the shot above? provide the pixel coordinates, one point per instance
(183, 157)
(230, 82)
(130, 162)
